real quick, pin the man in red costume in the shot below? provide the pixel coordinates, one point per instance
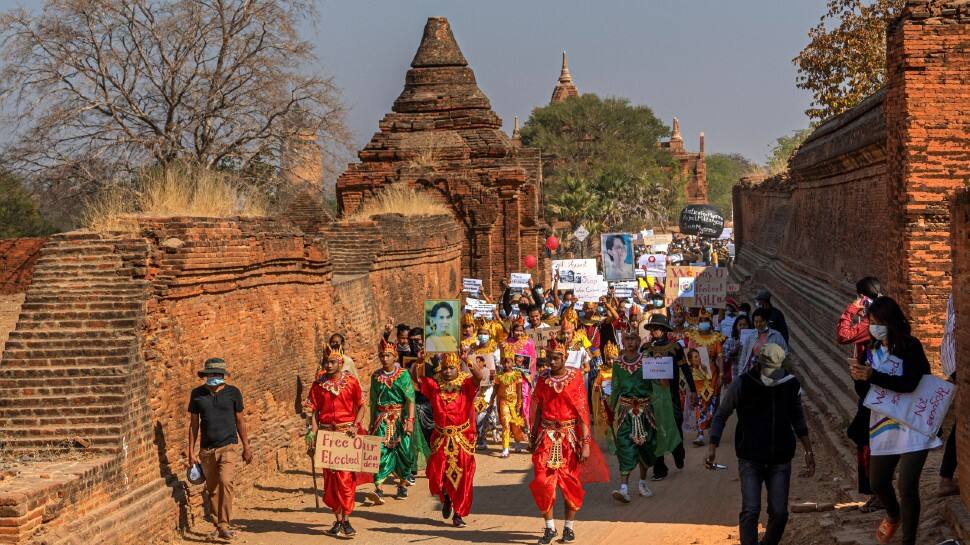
(338, 405)
(560, 440)
(451, 467)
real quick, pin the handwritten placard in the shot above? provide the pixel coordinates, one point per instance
(624, 289)
(572, 272)
(480, 308)
(520, 280)
(540, 336)
(923, 409)
(658, 368)
(337, 450)
(695, 286)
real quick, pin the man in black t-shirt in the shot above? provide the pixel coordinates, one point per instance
(216, 408)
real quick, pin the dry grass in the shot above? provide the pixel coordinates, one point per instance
(182, 189)
(398, 199)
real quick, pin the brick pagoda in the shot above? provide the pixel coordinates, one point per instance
(442, 137)
(692, 165)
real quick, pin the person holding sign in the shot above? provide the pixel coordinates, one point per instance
(392, 418)
(704, 357)
(661, 346)
(451, 467)
(337, 402)
(643, 425)
(894, 361)
(509, 385)
(560, 441)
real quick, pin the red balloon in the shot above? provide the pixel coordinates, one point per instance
(531, 261)
(552, 243)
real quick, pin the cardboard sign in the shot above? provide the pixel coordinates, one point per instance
(573, 272)
(696, 286)
(734, 287)
(657, 368)
(337, 450)
(520, 280)
(471, 285)
(923, 409)
(542, 335)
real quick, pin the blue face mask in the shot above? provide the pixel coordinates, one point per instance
(658, 303)
(601, 309)
(549, 311)
(704, 326)
(581, 314)
(539, 291)
(502, 313)
(483, 339)
(215, 381)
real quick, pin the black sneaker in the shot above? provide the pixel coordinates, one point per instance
(568, 536)
(335, 529)
(446, 508)
(411, 480)
(348, 529)
(657, 477)
(402, 492)
(458, 522)
(547, 536)
(378, 496)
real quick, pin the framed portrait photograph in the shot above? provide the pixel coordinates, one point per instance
(442, 319)
(617, 253)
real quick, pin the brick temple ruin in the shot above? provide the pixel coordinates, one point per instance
(442, 137)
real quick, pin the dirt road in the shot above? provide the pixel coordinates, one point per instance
(693, 506)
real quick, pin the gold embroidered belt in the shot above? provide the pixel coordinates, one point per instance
(343, 426)
(640, 411)
(452, 439)
(389, 414)
(558, 431)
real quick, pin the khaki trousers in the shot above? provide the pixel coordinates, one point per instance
(219, 465)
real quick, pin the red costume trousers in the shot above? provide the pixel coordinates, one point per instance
(339, 488)
(451, 467)
(556, 463)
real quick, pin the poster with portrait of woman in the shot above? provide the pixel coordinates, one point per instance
(618, 263)
(441, 325)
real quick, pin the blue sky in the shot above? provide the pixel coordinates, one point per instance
(723, 67)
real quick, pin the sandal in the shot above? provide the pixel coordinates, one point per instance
(886, 531)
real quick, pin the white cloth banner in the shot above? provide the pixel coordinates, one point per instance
(658, 368)
(923, 409)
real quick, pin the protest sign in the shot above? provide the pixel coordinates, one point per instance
(337, 450)
(480, 308)
(923, 409)
(624, 289)
(696, 286)
(654, 264)
(591, 289)
(471, 285)
(572, 272)
(733, 287)
(657, 368)
(520, 280)
(617, 254)
(541, 335)
(441, 325)
(702, 220)
(727, 233)
(675, 258)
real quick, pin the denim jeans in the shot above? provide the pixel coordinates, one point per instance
(775, 478)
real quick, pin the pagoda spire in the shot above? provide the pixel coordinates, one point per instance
(565, 88)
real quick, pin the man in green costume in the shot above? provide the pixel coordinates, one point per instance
(643, 422)
(392, 417)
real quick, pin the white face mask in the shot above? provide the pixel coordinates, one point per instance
(878, 332)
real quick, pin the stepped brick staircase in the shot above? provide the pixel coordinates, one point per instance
(68, 376)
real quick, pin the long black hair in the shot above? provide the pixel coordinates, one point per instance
(869, 286)
(888, 312)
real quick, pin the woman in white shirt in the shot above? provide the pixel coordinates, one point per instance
(896, 362)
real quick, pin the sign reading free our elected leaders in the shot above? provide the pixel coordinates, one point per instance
(339, 451)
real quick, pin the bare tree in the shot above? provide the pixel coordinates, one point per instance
(100, 88)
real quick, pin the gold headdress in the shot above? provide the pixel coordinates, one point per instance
(450, 360)
(569, 315)
(467, 319)
(386, 347)
(610, 351)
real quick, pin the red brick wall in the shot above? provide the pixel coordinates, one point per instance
(17, 259)
(961, 302)
(130, 318)
(928, 119)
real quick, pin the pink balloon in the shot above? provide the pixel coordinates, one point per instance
(531, 261)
